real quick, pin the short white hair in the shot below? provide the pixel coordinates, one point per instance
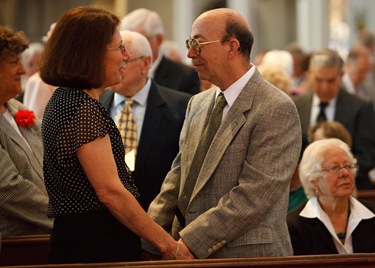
(145, 19)
(280, 59)
(34, 48)
(312, 159)
(138, 43)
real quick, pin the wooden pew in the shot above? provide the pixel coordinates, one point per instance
(24, 250)
(367, 195)
(317, 261)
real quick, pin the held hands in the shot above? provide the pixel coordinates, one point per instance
(181, 252)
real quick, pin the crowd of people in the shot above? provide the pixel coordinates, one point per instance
(121, 152)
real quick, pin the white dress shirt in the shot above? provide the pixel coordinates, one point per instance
(232, 92)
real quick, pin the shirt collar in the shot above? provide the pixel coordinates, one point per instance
(140, 97)
(232, 92)
(357, 209)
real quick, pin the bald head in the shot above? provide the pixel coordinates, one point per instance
(229, 24)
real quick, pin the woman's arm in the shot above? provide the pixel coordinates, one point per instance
(99, 165)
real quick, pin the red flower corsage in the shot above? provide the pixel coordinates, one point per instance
(25, 118)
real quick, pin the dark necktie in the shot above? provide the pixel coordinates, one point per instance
(322, 115)
(213, 125)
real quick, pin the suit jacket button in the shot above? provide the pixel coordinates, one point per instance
(214, 247)
(223, 242)
(210, 250)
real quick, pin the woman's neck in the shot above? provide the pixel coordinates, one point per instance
(333, 206)
(94, 93)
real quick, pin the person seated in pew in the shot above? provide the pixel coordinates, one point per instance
(332, 221)
(24, 199)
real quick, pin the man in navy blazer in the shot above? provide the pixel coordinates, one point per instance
(164, 71)
(159, 114)
(356, 114)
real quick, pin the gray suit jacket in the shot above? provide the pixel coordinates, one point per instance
(239, 205)
(24, 199)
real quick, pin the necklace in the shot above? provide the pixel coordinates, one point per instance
(342, 235)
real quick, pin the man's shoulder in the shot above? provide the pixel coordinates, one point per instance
(168, 93)
(106, 96)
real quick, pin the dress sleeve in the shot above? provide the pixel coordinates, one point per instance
(85, 125)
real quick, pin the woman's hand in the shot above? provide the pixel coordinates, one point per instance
(181, 252)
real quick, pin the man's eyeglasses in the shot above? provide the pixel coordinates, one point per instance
(121, 48)
(134, 59)
(336, 169)
(196, 46)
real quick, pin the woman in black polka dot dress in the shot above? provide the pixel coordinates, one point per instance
(92, 194)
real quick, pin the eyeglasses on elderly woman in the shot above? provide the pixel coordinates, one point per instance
(121, 48)
(338, 168)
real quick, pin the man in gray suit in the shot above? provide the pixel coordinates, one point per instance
(239, 201)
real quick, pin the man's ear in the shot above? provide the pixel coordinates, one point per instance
(234, 45)
(146, 63)
(159, 39)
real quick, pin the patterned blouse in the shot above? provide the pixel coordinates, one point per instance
(72, 118)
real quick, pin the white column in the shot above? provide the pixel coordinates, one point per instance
(182, 20)
(313, 24)
(248, 9)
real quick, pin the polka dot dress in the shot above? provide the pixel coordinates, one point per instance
(71, 119)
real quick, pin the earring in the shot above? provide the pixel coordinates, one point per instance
(317, 192)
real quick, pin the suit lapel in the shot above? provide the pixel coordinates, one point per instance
(106, 98)
(233, 122)
(34, 148)
(305, 112)
(343, 110)
(325, 238)
(151, 124)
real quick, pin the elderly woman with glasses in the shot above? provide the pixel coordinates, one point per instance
(332, 221)
(91, 189)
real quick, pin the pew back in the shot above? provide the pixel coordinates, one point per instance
(24, 250)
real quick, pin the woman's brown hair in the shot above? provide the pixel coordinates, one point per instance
(74, 54)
